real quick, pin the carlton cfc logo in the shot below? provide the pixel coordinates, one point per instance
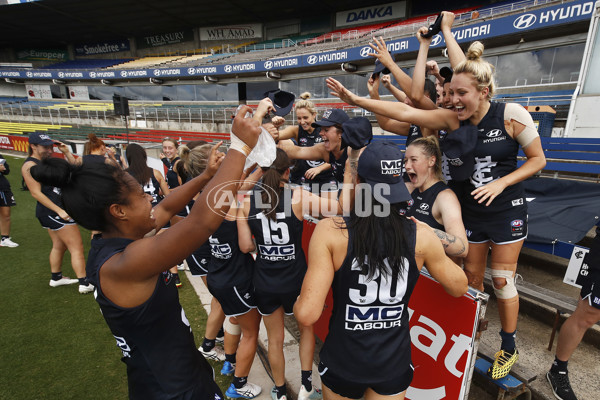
(525, 21)
(517, 223)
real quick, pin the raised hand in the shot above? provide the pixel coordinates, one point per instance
(339, 90)
(248, 129)
(381, 52)
(215, 159)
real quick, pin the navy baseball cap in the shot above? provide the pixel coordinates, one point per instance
(357, 133)
(458, 147)
(331, 117)
(282, 101)
(446, 73)
(381, 163)
(380, 69)
(40, 139)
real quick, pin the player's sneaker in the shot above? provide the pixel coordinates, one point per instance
(178, 281)
(63, 281)
(228, 368)
(7, 242)
(216, 353)
(220, 339)
(83, 289)
(181, 267)
(274, 395)
(502, 364)
(248, 391)
(314, 394)
(561, 387)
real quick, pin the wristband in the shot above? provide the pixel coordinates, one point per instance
(239, 145)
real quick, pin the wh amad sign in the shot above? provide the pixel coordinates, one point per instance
(370, 15)
(231, 32)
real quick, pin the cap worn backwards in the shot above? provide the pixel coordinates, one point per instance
(40, 139)
(381, 164)
(331, 117)
(458, 146)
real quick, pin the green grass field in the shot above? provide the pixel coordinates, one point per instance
(55, 343)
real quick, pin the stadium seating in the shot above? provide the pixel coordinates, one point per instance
(87, 64)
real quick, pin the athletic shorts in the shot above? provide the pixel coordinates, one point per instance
(7, 199)
(590, 290)
(54, 222)
(267, 303)
(504, 228)
(235, 300)
(355, 390)
(198, 265)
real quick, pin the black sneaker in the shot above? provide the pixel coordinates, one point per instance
(561, 387)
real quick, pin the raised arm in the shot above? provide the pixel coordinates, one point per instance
(432, 119)
(429, 251)
(385, 123)
(316, 152)
(455, 53)
(289, 132)
(417, 90)
(145, 258)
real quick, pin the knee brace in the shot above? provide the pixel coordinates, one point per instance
(509, 290)
(232, 329)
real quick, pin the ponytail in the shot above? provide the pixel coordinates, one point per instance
(87, 190)
(272, 179)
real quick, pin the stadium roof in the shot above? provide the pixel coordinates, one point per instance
(59, 22)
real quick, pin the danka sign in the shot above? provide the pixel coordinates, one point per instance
(372, 14)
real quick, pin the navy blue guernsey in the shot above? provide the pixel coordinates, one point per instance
(306, 139)
(171, 176)
(155, 337)
(152, 187)
(495, 157)
(422, 207)
(369, 339)
(280, 262)
(413, 133)
(228, 266)
(51, 192)
(338, 165)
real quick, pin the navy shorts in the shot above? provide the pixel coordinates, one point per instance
(197, 265)
(54, 222)
(7, 199)
(267, 303)
(356, 390)
(235, 300)
(503, 228)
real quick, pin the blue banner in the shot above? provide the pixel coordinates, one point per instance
(543, 18)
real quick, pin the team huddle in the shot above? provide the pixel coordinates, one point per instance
(453, 197)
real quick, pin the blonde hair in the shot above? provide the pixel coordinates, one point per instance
(481, 70)
(195, 160)
(431, 148)
(306, 103)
